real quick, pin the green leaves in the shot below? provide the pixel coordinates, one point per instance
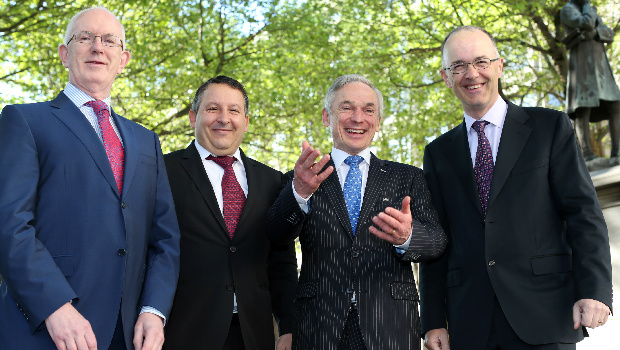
(287, 53)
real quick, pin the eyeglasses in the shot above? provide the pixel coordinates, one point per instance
(109, 40)
(479, 64)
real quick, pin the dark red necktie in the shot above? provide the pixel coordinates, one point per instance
(111, 142)
(483, 170)
(232, 193)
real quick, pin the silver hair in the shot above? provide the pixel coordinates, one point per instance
(468, 28)
(69, 31)
(340, 82)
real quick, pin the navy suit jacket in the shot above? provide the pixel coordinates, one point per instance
(67, 235)
(542, 246)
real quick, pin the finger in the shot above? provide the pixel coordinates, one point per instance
(138, 337)
(81, 344)
(91, 340)
(576, 317)
(406, 208)
(305, 153)
(325, 174)
(321, 163)
(311, 160)
(386, 222)
(305, 145)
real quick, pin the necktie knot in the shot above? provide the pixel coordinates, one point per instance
(353, 161)
(223, 161)
(99, 107)
(479, 126)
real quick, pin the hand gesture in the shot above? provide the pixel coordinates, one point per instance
(308, 175)
(393, 225)
(70, 330)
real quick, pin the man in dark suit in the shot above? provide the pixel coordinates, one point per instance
(356, 289)
(232, 278)
(528, 258)
(89, 242)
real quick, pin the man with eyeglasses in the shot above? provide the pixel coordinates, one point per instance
(528, 262)
(89, 241)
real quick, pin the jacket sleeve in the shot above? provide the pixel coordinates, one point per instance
(30, 273)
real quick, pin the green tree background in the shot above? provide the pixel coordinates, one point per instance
(287, 53)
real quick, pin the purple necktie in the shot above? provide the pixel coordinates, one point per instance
(483, 170)
(111, 142)
(232, 193)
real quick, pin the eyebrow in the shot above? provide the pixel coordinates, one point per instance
(351, 103)
(477, 58)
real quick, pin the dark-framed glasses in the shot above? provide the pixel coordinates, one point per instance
(479, 64)
(109, 40)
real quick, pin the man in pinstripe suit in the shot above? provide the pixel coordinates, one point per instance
(356, 289)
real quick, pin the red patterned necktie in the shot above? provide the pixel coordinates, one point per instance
(232, 193)
(483, 170)
(111, 142)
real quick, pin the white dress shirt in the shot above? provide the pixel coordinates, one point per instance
(493, 131)
(215, 173)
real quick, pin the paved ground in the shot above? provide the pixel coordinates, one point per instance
(604, 338)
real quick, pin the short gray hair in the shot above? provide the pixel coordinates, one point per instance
(340, 82)
(470, 29)
(69, 32)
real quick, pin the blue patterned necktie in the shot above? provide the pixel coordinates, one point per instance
(353, 189)
(483, 170)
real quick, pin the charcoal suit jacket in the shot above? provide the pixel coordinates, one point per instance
(335, 263)
(542, 246)
(263, 276)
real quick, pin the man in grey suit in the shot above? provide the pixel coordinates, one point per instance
(360, 228)
(528, 262)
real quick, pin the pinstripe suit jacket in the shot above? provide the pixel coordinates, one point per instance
(335, 262)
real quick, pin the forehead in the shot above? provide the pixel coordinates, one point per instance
(468, 45)
(222, 93)
(357, 92)
(99, 22)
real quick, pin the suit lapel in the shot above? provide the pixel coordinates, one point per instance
(331, 187)
(253, 189)
(131, 149)
(460, 159)
(192, 164)
(514, 136)
(75, 121)
(378, 176)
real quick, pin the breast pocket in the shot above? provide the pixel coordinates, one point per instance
(530, 165)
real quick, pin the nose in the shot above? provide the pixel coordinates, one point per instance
(471, 71)
(357, 115)
(97, 44)
(223, 117)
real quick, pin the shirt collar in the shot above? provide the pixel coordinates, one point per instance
(79, 97)
(204, 153)
(338, 156)
(495, 115)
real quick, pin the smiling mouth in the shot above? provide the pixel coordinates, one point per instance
(473, 87)
(95, 62)
(355, 131)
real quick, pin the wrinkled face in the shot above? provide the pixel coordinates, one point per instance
(93, 67)
(355, 117)
(221, 119)
(476, 89)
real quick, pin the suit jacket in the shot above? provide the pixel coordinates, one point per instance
(66, 234)
(542, 246)
(213, 267)
(335, 263)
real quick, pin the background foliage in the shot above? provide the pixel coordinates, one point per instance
(287, 53)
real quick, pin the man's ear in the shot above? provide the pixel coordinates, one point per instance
(325, 118)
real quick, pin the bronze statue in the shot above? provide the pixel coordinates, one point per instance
(592, 94)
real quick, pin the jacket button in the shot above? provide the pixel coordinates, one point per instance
(492, 262)
(121, 252)
(230, 287)
(233, 249)
(123, 205)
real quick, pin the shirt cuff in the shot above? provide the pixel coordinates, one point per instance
(304, 203)
(153, 310)
(402, 249)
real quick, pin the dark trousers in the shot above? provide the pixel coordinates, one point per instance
(351, 338)
(234, 340)
(118, 339)
(503, 337)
